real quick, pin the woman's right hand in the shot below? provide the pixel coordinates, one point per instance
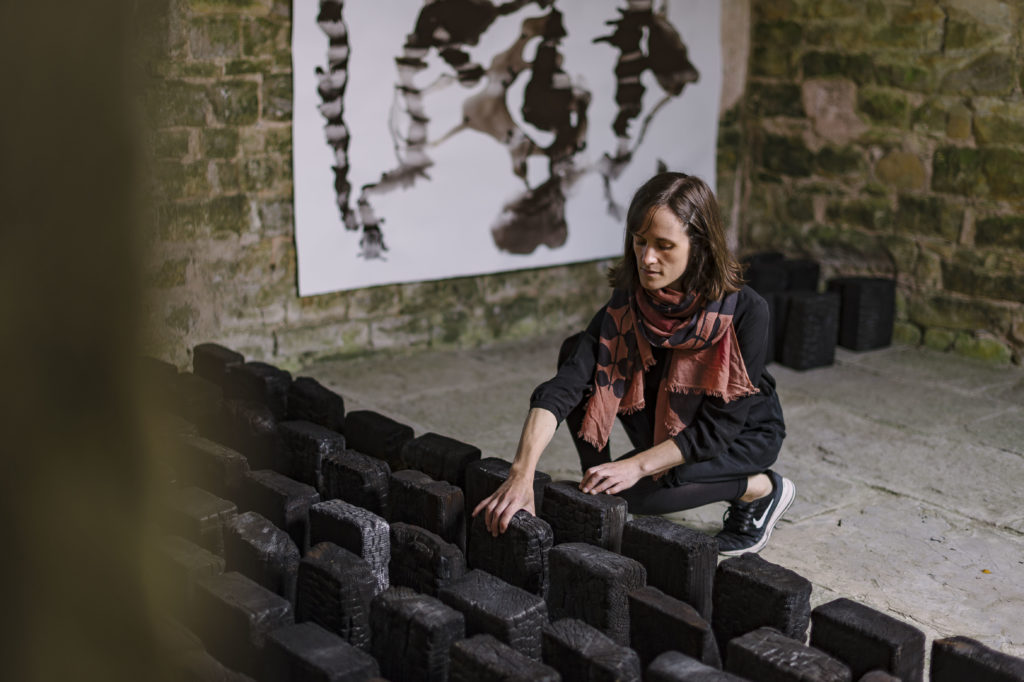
(514, 494)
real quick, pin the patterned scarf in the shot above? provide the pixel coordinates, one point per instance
(705, 360)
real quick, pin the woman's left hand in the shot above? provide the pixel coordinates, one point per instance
(611, 477)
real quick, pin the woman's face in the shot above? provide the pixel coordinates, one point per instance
(662, 251)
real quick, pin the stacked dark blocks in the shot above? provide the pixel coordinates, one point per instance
(306, 651)
(767, 655)
(182, 565)
(440, 457)
(307, 444)
(258, 549)
(261, 383)
(801, 274)
(519, 556)
(660, 623)
(592, 584)
(378, 436)
(412, 634)
(493, 607)
(673, 666)
(764, 272)
(485, 476)
(210, 466)
(422, 560)
(581, 653)
(281, 500)
(811, 326)
(955, 659)
(866, 639)
(485, 658)
(576, 516)
(867, 308)
(334, 590)
(211, 361)
(358, 530)
(414, 497)
(199, 516)
(194, 398)
(250, 428)
(358, 479)
(309, 401)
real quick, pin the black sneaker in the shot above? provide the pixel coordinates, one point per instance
(747, 526)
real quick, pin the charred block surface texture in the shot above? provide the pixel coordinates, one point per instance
(866, 639)
(210, 466)
(233, 615)
(660, 623)
(334, 590)
(307, 444)
(182, 565)
(283, 501)
(358, 479)
(484, 476)
(680, 561)
(493, 607)
(812, 324)
(673, 666)
(422, 560)
(867, 309)
(356, 529)
(194, 398)
(378, 436)
(485, 658)
(440, 457)
(412, 634)
(258, 549)
(750, 592)
(801, 274)
(519, 556)
(767, 655)
(962, 658)
(251, 429)
(310, 401)
(878, 676)
(592, 584)
(211, 361)
(438, 506)
(261, 383)
(582, 653)
(306, 651)
(576, 516)
(199, 516)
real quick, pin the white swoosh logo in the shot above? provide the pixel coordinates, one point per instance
(760, 522)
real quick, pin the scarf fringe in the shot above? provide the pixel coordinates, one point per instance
(693, 390)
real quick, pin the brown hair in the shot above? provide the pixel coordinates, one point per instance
(711, 271)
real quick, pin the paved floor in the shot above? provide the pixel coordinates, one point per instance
(908, 464)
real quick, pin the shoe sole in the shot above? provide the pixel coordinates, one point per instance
(785, 500)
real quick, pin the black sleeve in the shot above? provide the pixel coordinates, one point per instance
(717, 423)
(560, 394)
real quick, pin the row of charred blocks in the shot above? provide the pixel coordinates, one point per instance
(304, 543)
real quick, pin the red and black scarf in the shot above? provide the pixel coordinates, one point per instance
(705, 359)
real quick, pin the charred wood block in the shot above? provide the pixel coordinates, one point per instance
(378, 436)
(484, 476)
(660, 623)
(878, 676)
(765, 276)
(519, 556)
(963, 658)
(211, 466)
(767, 654)
(581, 653)
(260, 383)
(673, 666)
(440, 457)
(416, 498)
(283, 501)
(307, 651)
(334, 590)
(412, 634)
(866, 639)
(422, 560)
(249, 428)
(493, 607)
(199, 516)
(750, 592)
(196, 399)
(356, 529)
(358, 479)
(258, 549)
(576, 516)
(485, 658)
(211, 361)
(812, 326)
(592, 584)
(182, 564)
(233, 615)
(867, 309)
(680, 561)
(307, 444)
(310, 401)
(801, 274)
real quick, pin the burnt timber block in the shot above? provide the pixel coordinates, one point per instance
(358, 479)
(867, 309)
(211, 361)
(259, 550)
(416, 498)
(306, 651)
(182, 564)
(378, 436)
(233, 615)
(307, 444)
(249, 428)
(812, 326)
(866, 639)
(673, 666)
(412, 634)
(767, 655)
(576, 516)
(356, 529)
(493, 607)
(878, 676)
(519, 556)
(199, 516)
(485, 658)
(765, 276)
(592, 584)
(660, 623)
(262, 383)
(196, 399)
(750, 592)
(334, 590)
(210, 466)
(582, 653)
(485, 476)
(680, 561)
(283, 501)
(422, 560)
(801, 274)
(309, 400)
(440, 457)
(963, 658)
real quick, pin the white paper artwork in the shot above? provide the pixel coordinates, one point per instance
(448, 138)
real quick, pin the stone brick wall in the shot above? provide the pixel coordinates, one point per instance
(888, 137)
